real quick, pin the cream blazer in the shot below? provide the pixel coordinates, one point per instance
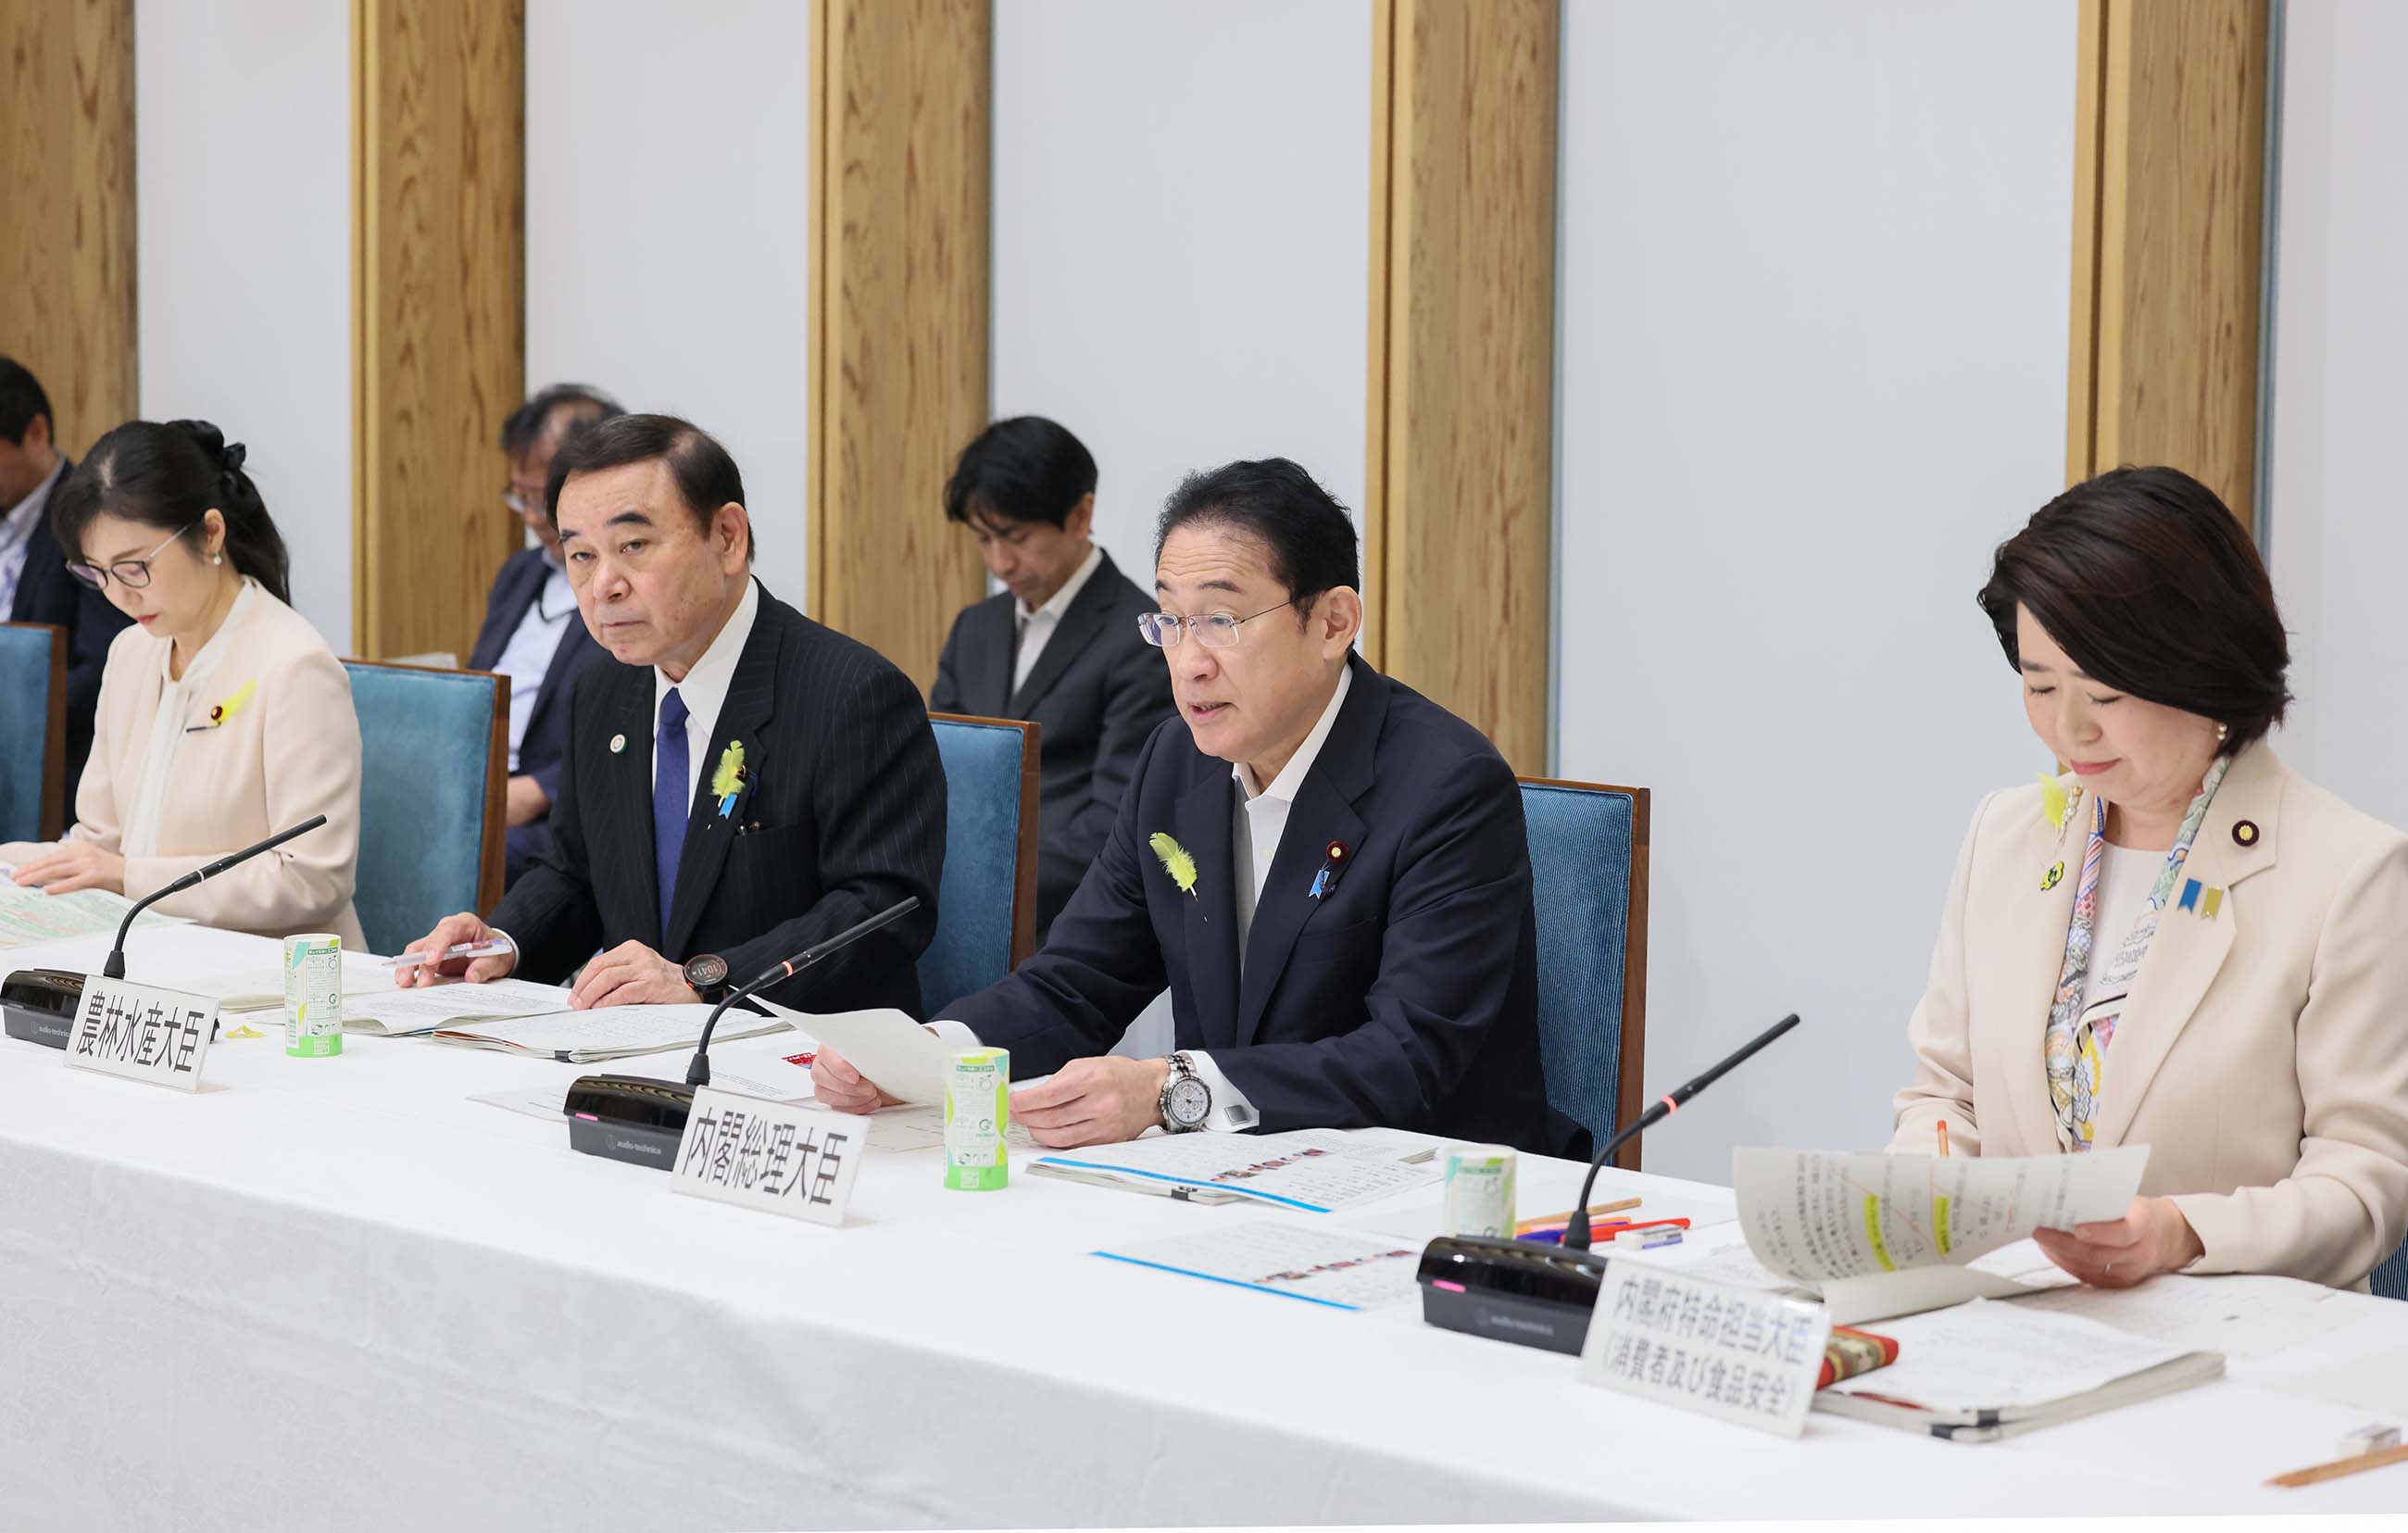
(2263, 1054)
(290, 752)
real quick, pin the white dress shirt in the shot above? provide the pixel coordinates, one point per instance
(185, 705)
(527, 659)
(704, 691)
(1037, 627)
(1260, 820)
(19, 529)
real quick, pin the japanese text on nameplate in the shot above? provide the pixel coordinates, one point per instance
(142, 1034)
(1746, 1357)
(798, 1161)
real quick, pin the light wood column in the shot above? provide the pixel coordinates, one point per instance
(66, 218)
(2168, 231)
(1462, 358)
(898, 314)
(438, 357)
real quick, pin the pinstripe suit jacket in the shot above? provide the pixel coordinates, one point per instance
(842, 814)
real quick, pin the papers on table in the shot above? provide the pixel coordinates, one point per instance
(549, 1103)
(1314, 1169)
(610, 1032)
(260, 987)
(900, 1130)
(390, 1011)
(1881, 1235)
(1343, 1268)
(29, 915)
(2240, 1316)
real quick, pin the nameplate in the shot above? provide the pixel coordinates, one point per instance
(142, 1034)
(1745, 1356)
(798, 1161)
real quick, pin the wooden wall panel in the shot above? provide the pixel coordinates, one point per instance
(2169, 201)
(439, 109)
(66, 218)
(1462, 358)
(898, 314)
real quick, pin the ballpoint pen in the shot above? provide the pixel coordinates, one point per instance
(458, 950)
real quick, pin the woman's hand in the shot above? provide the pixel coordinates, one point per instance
(70, 866)
(2153, 1237)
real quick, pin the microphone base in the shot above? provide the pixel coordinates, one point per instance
(39, 1005)
(633, 1118)
(1517, 1291)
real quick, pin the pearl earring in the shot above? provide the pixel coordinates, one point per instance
(220, 558)
(2223, 732)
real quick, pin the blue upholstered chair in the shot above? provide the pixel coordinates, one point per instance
(1588, 874)
(433, 746)
(34, 723)
(2390, 1279)
(986, 902)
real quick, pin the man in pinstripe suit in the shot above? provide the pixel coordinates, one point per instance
(741, 783)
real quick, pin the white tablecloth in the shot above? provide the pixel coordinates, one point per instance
(337, 1293)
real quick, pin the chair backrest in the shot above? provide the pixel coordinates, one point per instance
(34, 721)
(433, 746)
(1588, 877)
(2390, 1279)
(986, 902)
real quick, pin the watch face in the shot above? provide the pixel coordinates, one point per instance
(705, 970)
(1190, 1101)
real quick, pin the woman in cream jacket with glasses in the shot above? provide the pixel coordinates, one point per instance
(2180, 942)
(223, 716)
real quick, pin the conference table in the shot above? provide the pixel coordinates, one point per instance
(338, 1292)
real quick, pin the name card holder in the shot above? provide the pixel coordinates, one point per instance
(1738, 1353)
(798, 1161)
(142, 1033)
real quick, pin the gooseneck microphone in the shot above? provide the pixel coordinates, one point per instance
(115, 967)
(1576, 1233)
(698, 1074)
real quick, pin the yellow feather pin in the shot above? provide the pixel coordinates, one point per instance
(233, 705)
(1175, 862)
(2053, 802)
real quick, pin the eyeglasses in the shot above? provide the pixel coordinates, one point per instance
(522, 502)
(1214, 630)
(133, 574)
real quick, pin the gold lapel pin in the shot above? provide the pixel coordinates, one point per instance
(2245, 832)
(618, 743)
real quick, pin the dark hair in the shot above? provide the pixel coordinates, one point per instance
(2150, 586)
(1026, 468)
(169, 477)
(20, 399)
(561, 408)
(706, 476)
(1306, 533)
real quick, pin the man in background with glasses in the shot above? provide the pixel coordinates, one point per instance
(532, 632)
(35, 585)
(1326, 870)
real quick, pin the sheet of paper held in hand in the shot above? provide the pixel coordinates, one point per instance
(906, 1059)
(1883, 1235)
(29, 915)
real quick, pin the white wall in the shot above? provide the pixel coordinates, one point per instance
(243, 215)
(1813, 306)
(667, 218)
(1181, 239)
(2337, 537)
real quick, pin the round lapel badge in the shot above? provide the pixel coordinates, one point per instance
(2245, 832)
(2051, 878)
(618, 743)
(1335, 852)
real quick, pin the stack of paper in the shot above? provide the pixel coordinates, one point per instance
(1311, 1170)
(1343, 1270)
(389, 1011)
(29, 915)
(610, 1032)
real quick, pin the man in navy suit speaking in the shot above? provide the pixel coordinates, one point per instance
(1325, 869)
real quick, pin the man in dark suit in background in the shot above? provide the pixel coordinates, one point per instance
(740, 782)
(35, 585)
(1059, 646)
(1328, 870)
(532, 632)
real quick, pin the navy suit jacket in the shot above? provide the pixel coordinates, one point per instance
(515, 590)
(1406, 996)
(842, 814)
(1098, 689)
(46, 593)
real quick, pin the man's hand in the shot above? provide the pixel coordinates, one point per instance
(2153, 1237)
(449, 932)
(838, 1084)
(632, 974)
(70, 866)
(1100, 1100)
(524, 802)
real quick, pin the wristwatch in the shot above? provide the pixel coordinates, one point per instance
(707, 973)
(1187, 1101)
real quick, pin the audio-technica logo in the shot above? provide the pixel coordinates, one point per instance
(655, 1150)
(1515, 1322)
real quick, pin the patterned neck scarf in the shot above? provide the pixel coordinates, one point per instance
(2075, 1046)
